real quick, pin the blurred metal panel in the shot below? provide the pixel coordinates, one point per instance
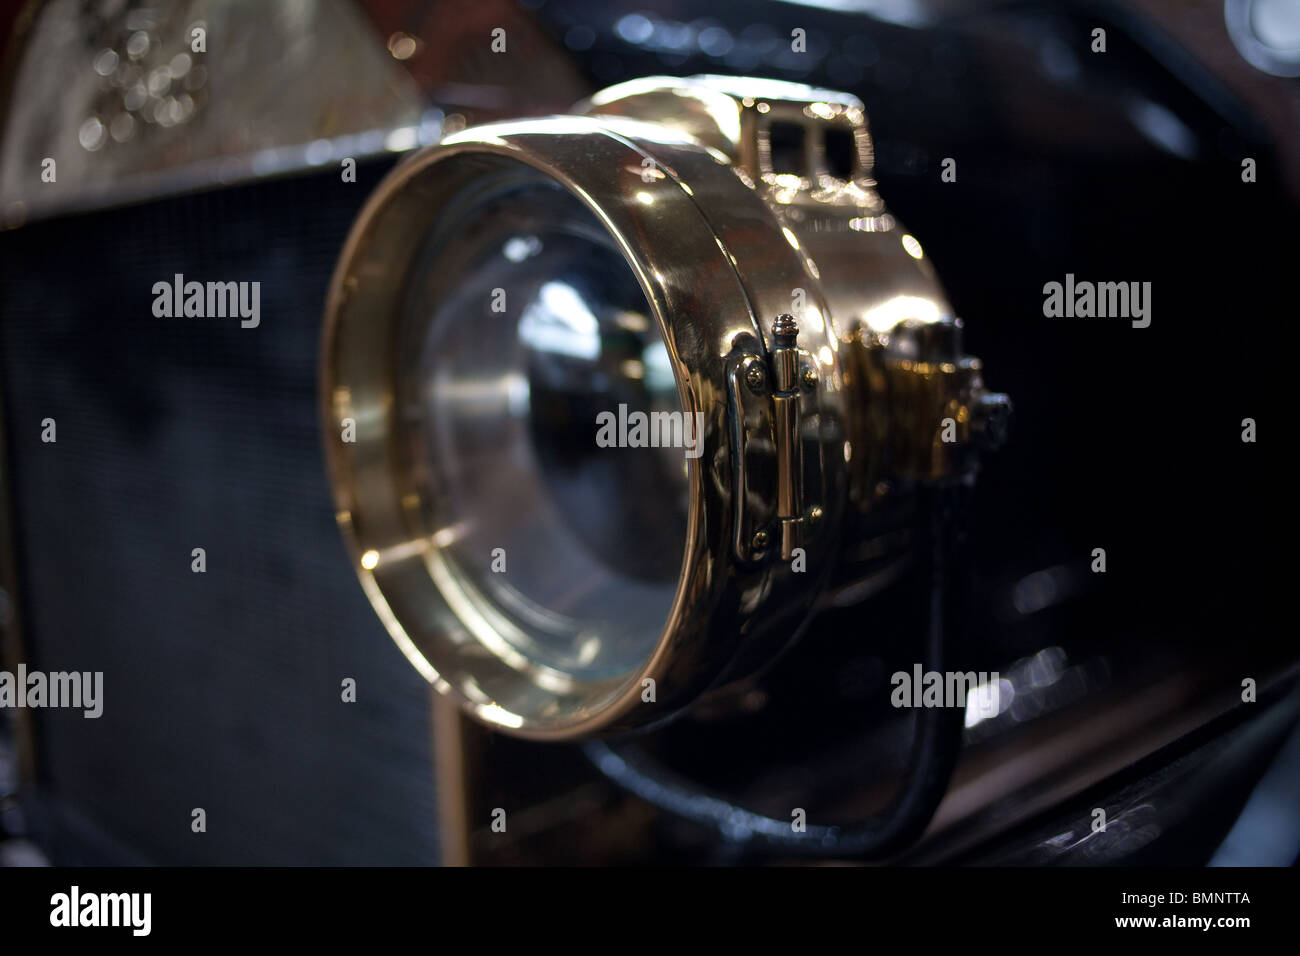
(116, 93)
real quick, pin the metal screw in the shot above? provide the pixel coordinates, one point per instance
(809, 377)
(756, 378)
(760, 540)
(815, 516)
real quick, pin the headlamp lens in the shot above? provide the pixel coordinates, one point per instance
(522, 324)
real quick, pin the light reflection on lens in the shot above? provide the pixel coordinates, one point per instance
(523, 323)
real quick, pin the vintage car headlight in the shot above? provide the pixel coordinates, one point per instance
(699, 273)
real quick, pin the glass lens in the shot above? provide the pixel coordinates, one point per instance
(527, 358)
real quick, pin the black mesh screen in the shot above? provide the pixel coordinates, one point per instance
(222, 690)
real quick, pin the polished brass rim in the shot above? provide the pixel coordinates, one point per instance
(701, 309)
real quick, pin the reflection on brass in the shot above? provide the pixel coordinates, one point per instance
(903, 417)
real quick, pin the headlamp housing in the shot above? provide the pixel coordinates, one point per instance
(732, 229)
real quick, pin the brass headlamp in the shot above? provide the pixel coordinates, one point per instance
(711, 247)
